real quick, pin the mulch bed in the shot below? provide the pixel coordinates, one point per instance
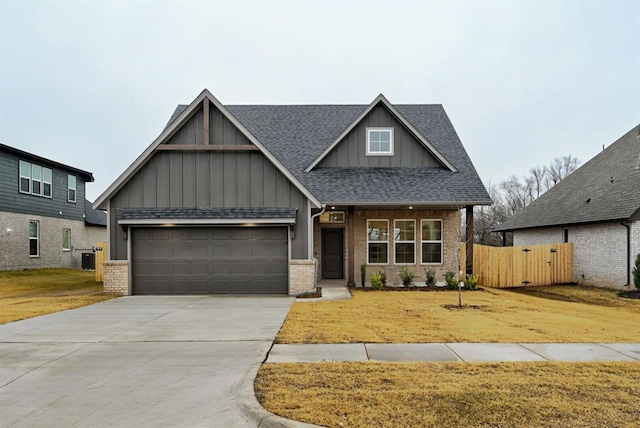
(316, 295)
(633, 294)
(414, 288)
(456, 307)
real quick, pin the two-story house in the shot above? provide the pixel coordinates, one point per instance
(272, 199)
(45, 220)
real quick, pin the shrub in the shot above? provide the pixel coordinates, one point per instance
(471, 282)
(406, 276)
(636, 273)
(450, 279)
(383, 277)
(363, 273)
(430, 275)
(376, 281)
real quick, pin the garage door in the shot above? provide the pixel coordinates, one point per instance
(210, 260)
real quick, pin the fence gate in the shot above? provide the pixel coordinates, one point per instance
(503, 267)
(101, 257)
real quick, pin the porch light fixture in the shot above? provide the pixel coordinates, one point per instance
(333, 208)
(410, 208)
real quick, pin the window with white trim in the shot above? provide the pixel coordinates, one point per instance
(35, 179)
(377, 242)
(66, 239)
(71, 188)
(431, 238)
(404, 240)
(379, 141)
(47, 177)
(34, 238)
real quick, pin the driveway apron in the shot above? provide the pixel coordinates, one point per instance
(138, 361)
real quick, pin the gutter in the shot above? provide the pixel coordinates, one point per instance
(628, 226)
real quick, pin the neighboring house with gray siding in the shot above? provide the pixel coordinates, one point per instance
(272, 199)
(45, 220)
(597, 208)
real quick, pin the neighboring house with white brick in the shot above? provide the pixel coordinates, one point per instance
(248, 198)
(597, 208)
(45, 220)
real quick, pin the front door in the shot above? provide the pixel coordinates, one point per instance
(332, 253)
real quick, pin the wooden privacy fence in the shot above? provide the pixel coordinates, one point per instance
(503, 267)
(101, 257)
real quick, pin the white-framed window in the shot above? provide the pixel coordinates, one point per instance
(71, 188)
(25, 177)
(47, 178)
(378, 242)
(332, 217)
(431, 238)
(66, 239)
(379, 141)
(35, 179)
(34, 238)
(404, 241)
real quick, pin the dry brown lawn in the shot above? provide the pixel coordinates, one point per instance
(534, 314)
(29, 293)
(544, 394)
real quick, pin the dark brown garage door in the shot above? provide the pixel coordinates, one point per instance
(210, 260)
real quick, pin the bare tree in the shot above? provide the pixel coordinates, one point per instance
(513, 194)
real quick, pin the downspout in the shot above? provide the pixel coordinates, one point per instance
(628, 226)
(312, 227)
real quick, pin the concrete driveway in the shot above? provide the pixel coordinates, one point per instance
(138, 361)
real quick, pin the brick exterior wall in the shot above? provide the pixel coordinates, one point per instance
(116, 277)
(301, 276)
(451, 245)
(14, 253)
(600, 250)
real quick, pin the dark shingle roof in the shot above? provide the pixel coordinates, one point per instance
(94, 217)
(205, 213)
(297, 134)
(86, 175)
(606, 188)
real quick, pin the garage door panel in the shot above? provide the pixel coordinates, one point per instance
(159, 234)
(159, 251)
(209, 260)
(220, 249)
(199, 250)
(181, 250)
(240, 249)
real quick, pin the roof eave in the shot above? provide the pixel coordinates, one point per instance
(88, 176)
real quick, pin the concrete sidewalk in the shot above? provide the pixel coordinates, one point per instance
(455, 352)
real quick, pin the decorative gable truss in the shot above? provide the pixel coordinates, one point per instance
(372, 134)
(205, 125)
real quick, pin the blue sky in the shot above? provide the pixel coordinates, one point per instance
(92, 83)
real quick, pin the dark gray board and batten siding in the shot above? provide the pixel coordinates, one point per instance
(205, 179)
(222, 131)
(407, 150)
(11, 200)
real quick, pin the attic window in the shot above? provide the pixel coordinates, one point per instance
(379, 141)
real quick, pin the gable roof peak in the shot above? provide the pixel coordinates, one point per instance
(400, 117)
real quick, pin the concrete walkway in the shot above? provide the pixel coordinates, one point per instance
(455, 352)
(331, 290)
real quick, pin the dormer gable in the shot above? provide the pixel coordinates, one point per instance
(380, 137)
